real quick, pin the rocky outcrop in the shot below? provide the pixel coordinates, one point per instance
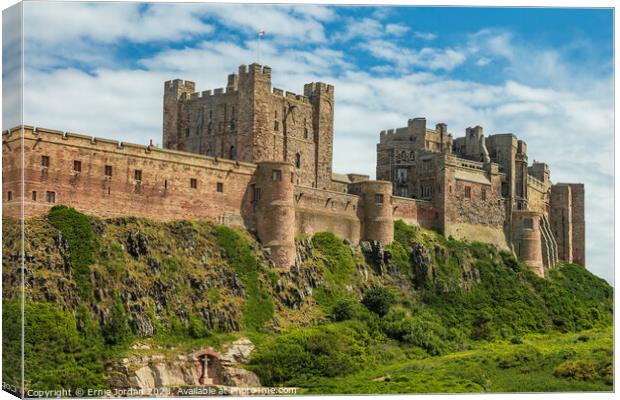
(149, 373)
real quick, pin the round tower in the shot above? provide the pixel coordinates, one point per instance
(377, 218)
(275, 210)
(527, 240)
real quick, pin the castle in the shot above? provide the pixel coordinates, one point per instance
(255, 156)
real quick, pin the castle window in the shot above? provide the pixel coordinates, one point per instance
(193, 183)
(232, 154)
(528, 223)
(298, 160)
(220, 187)
(45, 161)
(108, 171)
(276, 125)
(467, 192)
(77, 166)
(427, 191)
(276, 175)
(9, 195)
(165, 184)
(305, 133)
(378, 198)
(137, 175)
(50, 197)
(483, 194)
(256, 194)
(34, 195)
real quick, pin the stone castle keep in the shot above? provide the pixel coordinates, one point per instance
(255, 156)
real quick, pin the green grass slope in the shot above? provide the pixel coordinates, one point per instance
(425, 314)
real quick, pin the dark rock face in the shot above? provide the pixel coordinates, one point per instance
(137, 244)
(376, 256)
(421, 265)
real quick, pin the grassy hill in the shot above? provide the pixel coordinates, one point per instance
(425, 314)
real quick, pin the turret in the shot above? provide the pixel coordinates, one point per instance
(174, 92)
(527, 239)
(376, 211)
(275, 210)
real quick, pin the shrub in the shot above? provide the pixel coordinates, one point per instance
(378, 300)
(580, 370)
(343, 310)
(116, 330)
(299, 355)
(258, 306)
(421, 330)
(196, 327)
(77, 231)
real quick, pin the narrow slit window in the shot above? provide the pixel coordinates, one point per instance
(137, 175)
(220, 187)
(34, 195)
(45, 161)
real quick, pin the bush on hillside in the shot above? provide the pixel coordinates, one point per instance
(379, 300)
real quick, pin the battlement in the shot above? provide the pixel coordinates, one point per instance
(254, 69)
(180, 84)
(318, 88)
(290, 95)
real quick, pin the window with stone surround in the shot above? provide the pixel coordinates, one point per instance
(298, 160)
(45, 161)
(34, 195)
(77, 166)
(50, 197)
(193, 183)
(276, 175)
(467, 192)
(220, 187)
(107, 171)
(137, 175)
(378, 198)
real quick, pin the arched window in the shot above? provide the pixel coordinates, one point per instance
(233, 153)
(297, 160)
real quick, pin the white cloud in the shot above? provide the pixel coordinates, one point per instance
(427, 57)
(54, 22)
(425, 35)
(396, 29)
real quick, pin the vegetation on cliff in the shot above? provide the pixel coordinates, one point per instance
(426, 313)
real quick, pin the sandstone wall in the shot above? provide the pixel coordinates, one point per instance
(415, 212)
(327, 211)
(171, 185)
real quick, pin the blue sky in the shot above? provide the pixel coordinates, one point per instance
(544, 74)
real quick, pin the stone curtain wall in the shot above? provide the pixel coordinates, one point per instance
(172, 185)
(321, 210)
